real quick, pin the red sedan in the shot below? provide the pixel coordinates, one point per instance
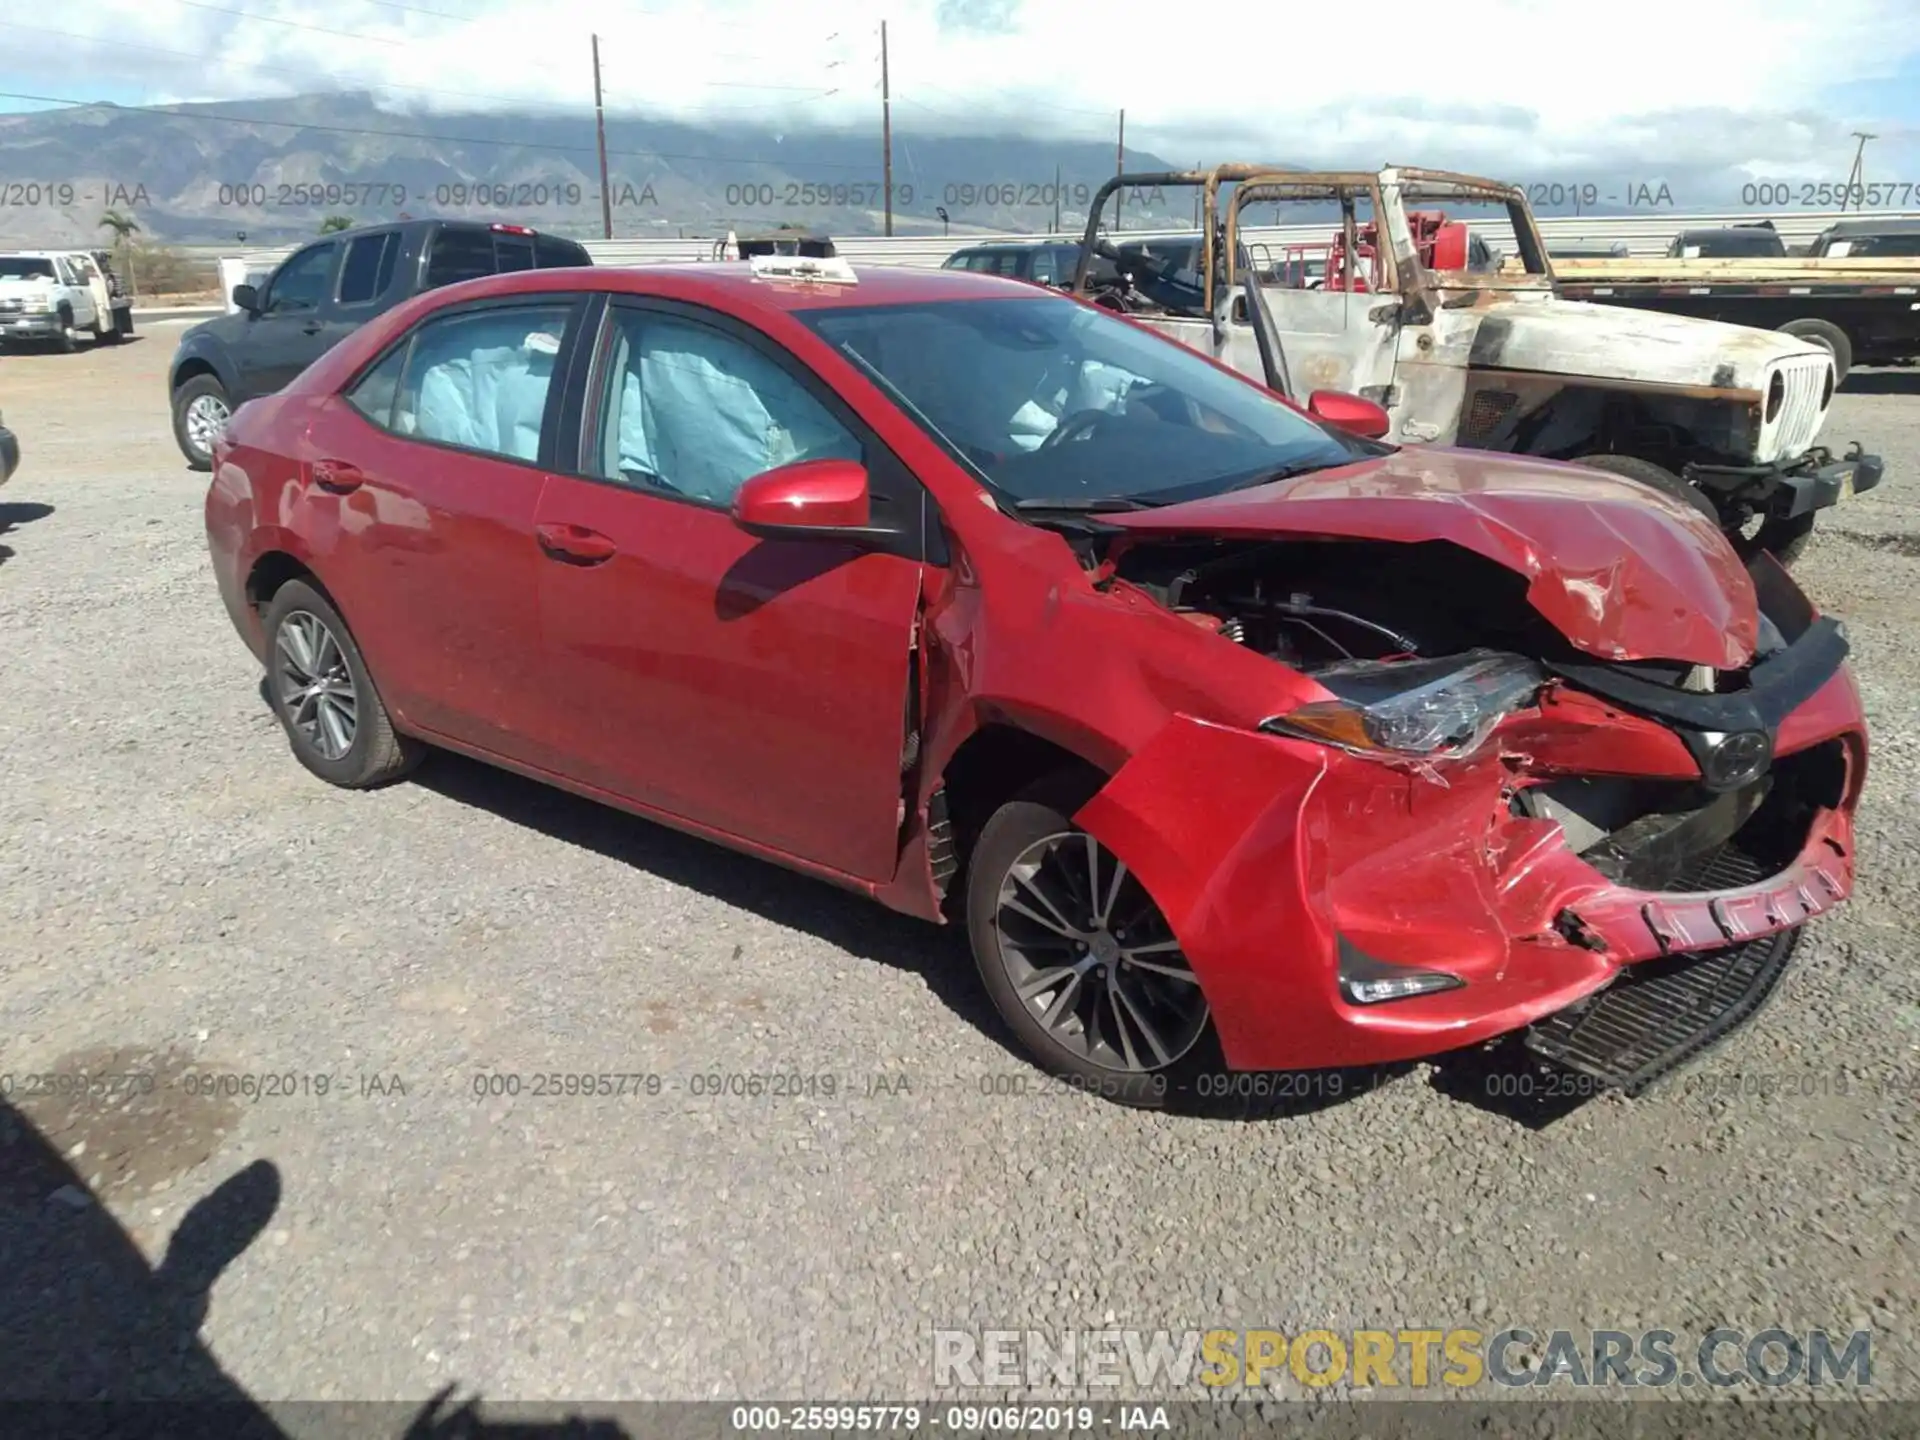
(1237, 740)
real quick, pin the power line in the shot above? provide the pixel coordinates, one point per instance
(173, 112)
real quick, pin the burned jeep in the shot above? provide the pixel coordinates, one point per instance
(1470, 344)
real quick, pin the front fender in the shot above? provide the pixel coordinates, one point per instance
(1200, 807)
(203, 350)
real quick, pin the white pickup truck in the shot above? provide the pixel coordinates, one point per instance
(55, 295)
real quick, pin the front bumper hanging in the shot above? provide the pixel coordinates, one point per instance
(1790, 489)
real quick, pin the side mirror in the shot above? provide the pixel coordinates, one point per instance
(247, 298)
(818, 498)
(1352, 413)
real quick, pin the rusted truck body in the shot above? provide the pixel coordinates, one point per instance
(1470, 348)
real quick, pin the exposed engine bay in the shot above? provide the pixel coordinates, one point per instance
(1313, 603)
(1340, 609)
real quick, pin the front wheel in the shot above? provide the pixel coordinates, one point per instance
(200, 412)
(1079, 960)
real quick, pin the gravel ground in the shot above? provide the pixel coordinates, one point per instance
(178, 897)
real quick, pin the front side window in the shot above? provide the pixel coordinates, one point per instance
(1044, 271)
(1051, 401)
(478, 380)
(301, 283)
(691, 411)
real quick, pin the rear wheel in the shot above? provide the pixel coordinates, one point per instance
(1656, 477)
(200, 411)
(1828, 337)
(1079, 960)
(324, 697)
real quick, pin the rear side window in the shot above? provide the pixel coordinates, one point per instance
(368, 268)
(459, 254)
(478, 380)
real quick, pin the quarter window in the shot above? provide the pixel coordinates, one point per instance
(693, 412)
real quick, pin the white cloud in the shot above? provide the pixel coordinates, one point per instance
(1525, 89)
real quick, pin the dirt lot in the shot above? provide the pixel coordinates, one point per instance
(178, 897)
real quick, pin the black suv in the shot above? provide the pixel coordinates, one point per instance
(1044, 262)
(1755, 240)
(323, 292)
(1868, 239)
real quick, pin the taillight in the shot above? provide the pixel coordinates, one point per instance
(512, 229)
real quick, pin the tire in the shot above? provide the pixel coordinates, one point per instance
(65, 342)
(1110, 1057)
(308, 644)
(1828, 337)
(191, 401)
(1656, 477)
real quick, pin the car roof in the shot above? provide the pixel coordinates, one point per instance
(1848, 229)
(734, 284)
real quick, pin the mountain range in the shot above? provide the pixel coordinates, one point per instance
(272, 171)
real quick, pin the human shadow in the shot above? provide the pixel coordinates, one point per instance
(86, 1324)
(15, 515)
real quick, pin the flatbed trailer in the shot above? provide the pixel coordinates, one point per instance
(1866, 311)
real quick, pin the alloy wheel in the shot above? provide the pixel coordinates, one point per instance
(314, 684)
(207, 416)
(1092, 958)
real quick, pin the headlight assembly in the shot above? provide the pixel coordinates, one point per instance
(1413, 709)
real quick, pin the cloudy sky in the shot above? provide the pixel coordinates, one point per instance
(1713, 90)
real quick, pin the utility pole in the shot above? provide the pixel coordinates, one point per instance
(886, 127)
(600, 124)
(1056, 199)
(1120, 168)
(1857, 176)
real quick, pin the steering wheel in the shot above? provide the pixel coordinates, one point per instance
(1076, 426)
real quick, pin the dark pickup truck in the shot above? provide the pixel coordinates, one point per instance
(319, 295)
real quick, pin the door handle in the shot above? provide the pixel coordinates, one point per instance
(574, 544)
(312, 327)
(337, 476)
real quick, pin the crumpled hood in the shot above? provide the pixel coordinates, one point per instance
(1624, 571)
(1612, 342)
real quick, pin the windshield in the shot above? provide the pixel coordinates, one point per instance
(25, 267)
(1050, 401)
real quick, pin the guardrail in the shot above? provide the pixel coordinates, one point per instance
(1643, 235)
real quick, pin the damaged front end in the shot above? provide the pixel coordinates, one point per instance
(1480, 827)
